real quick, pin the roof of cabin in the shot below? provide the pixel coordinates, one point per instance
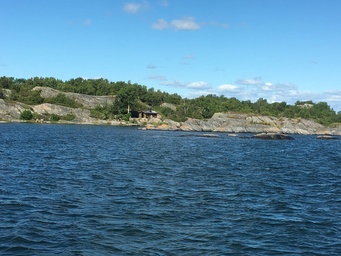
(149, 112)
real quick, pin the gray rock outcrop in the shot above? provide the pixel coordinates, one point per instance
(10, 111)
(244, 123)
(81, 115)
(88, 101)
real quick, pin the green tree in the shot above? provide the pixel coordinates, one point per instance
(232, 104)
(261, 106)
(126, 99)
(6, 82)
(28, 96)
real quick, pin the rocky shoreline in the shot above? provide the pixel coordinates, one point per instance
(220, 122)
(243, 123)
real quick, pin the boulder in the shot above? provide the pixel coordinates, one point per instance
(168, 105)
(327, 137)
(272, 136)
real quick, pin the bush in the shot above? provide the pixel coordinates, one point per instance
(54, 118)
(97, 114)
(26, 115)
(30, 97)
(126, 117)
(63, 100)
(69, 117)
(178, 118)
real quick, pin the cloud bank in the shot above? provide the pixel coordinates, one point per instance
(253, 89)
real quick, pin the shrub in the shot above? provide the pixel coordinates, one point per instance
(63, 100)
(26, 115)
(54, 118)
(95, 113)
(69, 117)
(126, 117)
(30, 97)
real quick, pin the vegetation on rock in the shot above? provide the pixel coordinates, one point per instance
(54, 118)
(131, 98)
(26, 115)
(63, 100)
(68, 117)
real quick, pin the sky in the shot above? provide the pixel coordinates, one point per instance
(278, 50)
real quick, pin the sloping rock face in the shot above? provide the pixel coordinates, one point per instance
(168, 105)
(335, 130)
(82, 115)
(243, 123)
(88, 101)
(10, 111)
(239, 123)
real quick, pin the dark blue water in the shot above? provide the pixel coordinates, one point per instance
(103, 190)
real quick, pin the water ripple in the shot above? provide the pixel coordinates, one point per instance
(101, 190)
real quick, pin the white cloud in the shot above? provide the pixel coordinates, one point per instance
(188, 23)
(333, 98)
(185, 24)
(132, 8)
(227, 87)
(160, 24)
(267, 86)
(292, 92)
(174, 83)
(198, 85)
(333, 95)
(253, 89)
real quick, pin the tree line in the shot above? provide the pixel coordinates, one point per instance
(133, 97)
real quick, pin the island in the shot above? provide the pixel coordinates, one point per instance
(98, 101)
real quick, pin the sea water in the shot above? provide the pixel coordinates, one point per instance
(104, 190)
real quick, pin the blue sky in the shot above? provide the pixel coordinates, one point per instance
(280, 50)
